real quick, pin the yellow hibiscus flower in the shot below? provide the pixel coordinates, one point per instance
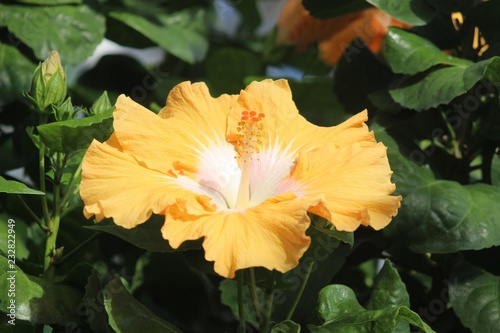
(241, 171)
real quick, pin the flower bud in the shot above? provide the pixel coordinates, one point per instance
(48, 86)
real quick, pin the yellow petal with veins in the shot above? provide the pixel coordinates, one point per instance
(270, 235)
(355, 182)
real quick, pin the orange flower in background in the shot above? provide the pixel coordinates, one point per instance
(296, 26)
(240, 171)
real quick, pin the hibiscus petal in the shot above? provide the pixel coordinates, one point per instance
(114, 184)
(355, 182)
(284, 125)
(191, 122)
(271, 235)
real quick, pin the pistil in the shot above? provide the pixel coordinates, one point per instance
(250, 132)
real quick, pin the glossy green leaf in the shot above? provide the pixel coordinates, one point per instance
(441, 86)
(286, 326)
(75, 134)
(15, 73)
(408, 53)
(445, 217)
(126, 314)
(36, 299)
(332, 8)
(414, 12)
(13, 187)
(388, 290)
(475, 297)
(229, 297)
(440, 216)
(146, 236)
(180, 33)
(74, 31)
(340, 311)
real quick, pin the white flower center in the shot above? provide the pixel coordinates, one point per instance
(245, 174)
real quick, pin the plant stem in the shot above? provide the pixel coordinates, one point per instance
(301, 289)
(50, 246)
(33, 215)
(69, 189)
(268, 301)
(241, 313)
(43, 188)
(253, 294)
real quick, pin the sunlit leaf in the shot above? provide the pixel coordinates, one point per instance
(442, 85)
(75, 134)
(37, 299)
(180, 33)
(74, 31)
(15, 73)
(13, 187)
(414, 12)
(408, 53)
(340, 311)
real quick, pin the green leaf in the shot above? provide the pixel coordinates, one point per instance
(15, 73)
(19, 234)
(388, 289)
(286, 326)
(227, 68)
(408, 53)
(180, 33)
(229, 297)
(36, 299)
(74, 31)
(146, 236)
(414, 12)
(327, 9)
(407, 175)
(475, 297)
(75, 134)
(341, 312)
(440, 216)
(126, 314)
(442, 85)
(13, 187)
(323, 226)
(445, 217)
(437, 87)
